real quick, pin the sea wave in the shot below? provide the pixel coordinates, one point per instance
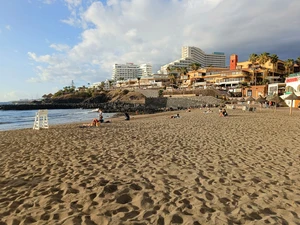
(6, 122)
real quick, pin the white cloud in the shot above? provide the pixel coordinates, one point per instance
(48, 1)
(60, 47)
(76, 10)
(73, 3)
(8, 27)
(14, 96)
(153, 31)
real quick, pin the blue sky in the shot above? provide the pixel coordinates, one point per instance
(45, 44)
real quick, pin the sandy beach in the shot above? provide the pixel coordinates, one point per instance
(198, 169)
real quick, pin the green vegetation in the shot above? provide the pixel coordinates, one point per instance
(274, 60)
(195, 66)
(288, 64)
(160, 93)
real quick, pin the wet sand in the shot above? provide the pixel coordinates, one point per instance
(198, 169)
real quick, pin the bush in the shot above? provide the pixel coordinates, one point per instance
(125, 92)
(160, 93)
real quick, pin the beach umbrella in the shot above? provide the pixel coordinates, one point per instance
(242, 100)
(260, 100)
(250, 99)
(276, 99)
(292, 97)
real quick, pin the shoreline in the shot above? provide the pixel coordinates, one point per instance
(198, 169)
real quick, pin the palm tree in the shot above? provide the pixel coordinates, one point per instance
(171, 75)
(274, 60)
(288, 64)
(139, 81)
(110, 82)
(262, 59)
(253, 59)
(195, 67)
(183, 71)
(169, 69)
(298, 61)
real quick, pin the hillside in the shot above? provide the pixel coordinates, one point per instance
(100, 97)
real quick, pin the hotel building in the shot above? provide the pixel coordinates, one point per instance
(145, 70)
(130, 71)
(191, 55)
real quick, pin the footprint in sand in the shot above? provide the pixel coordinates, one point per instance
(123, 199)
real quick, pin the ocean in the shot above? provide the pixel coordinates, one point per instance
(20, 119)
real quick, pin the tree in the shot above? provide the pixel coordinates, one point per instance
(110, 82)
(139, 81)
(262, 59)
(160, 93)
(288, 64)
(169, 69)
(183, 71)
(298, 61)
(274, 60)
(195, 66)
(172, 78)
(171, 75)
(253, 59)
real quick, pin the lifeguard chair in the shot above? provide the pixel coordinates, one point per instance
(41, 116)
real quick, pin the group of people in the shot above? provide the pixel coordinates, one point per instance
(175, 116)
(222, 112)
(96, 122)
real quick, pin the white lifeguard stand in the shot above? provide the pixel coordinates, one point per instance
(41, 116)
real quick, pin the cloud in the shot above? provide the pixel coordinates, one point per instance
(8, 27)
(153, 31)
(75, 7)
(14, 96)
(60, 47)
(73, 3)
(48, 1)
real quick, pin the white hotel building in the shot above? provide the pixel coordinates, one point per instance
(191, 55)
(130, 71)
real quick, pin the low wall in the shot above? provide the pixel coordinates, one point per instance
(181, 96)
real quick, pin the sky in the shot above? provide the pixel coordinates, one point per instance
(47, 44)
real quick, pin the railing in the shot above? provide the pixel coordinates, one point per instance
(294, 75)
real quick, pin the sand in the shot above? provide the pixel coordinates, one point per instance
(198, 169)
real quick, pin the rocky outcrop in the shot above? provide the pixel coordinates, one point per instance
(101, 98)
(118, 101)
(183, 102)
